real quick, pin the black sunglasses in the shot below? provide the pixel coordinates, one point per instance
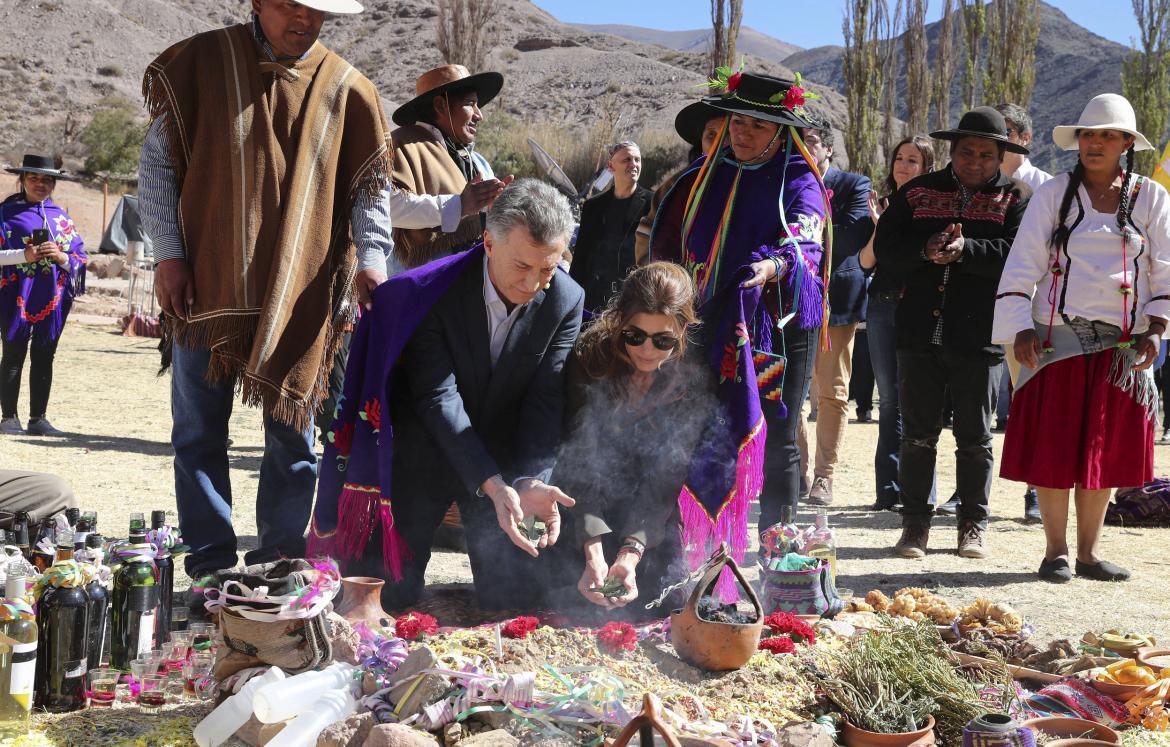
(635, 337)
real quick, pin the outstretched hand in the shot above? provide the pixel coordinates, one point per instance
(541, 500)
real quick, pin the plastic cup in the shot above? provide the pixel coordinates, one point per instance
(103, 685)
(201, 632)
(844, 593)
(144, 666)
(152, 692)
(174, 655)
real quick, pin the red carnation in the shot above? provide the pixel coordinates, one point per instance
(778, 645)
(520, 627)
(617, 636)
(414, 625)
(733, 81)
(788, 624)
(794, 98)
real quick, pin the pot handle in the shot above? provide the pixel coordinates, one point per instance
(720, 559)
(646, 723)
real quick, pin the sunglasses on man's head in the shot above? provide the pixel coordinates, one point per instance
(635, 337)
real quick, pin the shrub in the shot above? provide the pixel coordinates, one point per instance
(113, 138)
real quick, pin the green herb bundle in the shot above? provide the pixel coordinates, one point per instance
(899, 674)
(613, 588)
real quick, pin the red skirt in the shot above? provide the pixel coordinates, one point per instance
(1071, 426)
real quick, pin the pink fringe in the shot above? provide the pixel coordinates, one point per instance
(318, 546)
(394, 549)
(701, 535)
(355, 521)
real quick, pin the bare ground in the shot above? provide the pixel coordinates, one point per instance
(108, 397)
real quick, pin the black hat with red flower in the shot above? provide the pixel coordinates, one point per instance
(764, 97)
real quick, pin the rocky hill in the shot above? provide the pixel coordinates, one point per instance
(750, 41)
(562, 76)
(1072, 65)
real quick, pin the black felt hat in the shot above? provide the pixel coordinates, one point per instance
(760, 96)
(984, 122)
(691, 120)
(38, 165)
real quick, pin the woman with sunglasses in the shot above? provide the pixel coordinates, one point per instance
(635, 410)
(748, 222)
(42, 267)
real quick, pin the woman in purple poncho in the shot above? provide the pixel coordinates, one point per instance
(748, 221)
(42, 267)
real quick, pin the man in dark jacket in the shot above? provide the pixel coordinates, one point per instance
(852, 228)
(947, 233)
(604, 253)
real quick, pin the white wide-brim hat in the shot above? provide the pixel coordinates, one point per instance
(333, 6)
(1109, 111)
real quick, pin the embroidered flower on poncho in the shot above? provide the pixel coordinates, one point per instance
(520, 627)
(616, 637)
(414, 625)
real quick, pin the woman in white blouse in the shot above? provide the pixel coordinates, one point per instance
(1084, 300)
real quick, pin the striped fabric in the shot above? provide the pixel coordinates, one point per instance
(158, 191)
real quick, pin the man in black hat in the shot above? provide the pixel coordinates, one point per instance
(440, 185)
(947, 233)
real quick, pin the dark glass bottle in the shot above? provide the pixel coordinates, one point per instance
(91, 517)
(99, 607)
(63, 632)
(72, 515)
(20, 524)
(80, 532)
(46, 537)
(135, 599)
(166, 582)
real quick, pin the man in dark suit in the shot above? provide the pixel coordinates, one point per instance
(604, 253)
(478, 402)
(852, 229)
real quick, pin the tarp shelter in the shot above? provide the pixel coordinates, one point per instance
(124, 227)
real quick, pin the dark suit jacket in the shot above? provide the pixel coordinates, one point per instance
(597, 267)
(457, 421)
(852, 228)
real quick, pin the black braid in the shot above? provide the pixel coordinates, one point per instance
(1123, 206)
(1061, 233)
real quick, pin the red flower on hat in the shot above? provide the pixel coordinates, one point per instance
(617, 636)
(520, 627)
(414, 625)
(794, 98)
(733, 81)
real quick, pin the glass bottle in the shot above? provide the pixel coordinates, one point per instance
(20, 532)
(821, 542)
(42, 557)
(81, 531)
(166, 580)
(18, 663)
(62, 621)
(72, 515)
(91, 517)
(135, 598)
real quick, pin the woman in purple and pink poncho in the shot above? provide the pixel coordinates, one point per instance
(42, 267)
(748, 221)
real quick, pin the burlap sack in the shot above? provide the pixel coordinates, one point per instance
(294, 645)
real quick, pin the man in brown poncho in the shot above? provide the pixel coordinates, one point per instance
(441, 186)
(264, 186)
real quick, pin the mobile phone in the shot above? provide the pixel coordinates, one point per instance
(40, 236)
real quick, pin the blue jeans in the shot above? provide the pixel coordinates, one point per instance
(883, 355)
(1004, 401)
(199, 433)
(781, 454)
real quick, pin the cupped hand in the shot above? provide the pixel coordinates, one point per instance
(542, 501)
(762, 272)
(623, 570)
(593, 577)
(1027, 348)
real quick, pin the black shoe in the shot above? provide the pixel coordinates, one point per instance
(11, 426)
(1102, 571)
(950, 508)
(1055, 571)
(1032, 507)
(864, 416)
(896, 507)
(1000, 425)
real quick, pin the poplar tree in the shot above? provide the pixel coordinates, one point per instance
(1010, 71)
(1145, 77)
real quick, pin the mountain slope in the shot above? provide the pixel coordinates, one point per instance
(698, 40)
(1072, 65)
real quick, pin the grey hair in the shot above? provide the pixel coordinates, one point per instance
(1018, 116)
(535, 205)
(612, 149)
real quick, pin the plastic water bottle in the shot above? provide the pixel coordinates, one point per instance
(328, 709)
(218, 726)
(281, 701)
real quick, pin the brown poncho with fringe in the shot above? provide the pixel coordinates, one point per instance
(270, 159)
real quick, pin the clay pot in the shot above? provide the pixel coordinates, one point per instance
(1078, 743)
(1154, 658)
(715, 646)
(361, 601)
(924, 737)
(1072, 729)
